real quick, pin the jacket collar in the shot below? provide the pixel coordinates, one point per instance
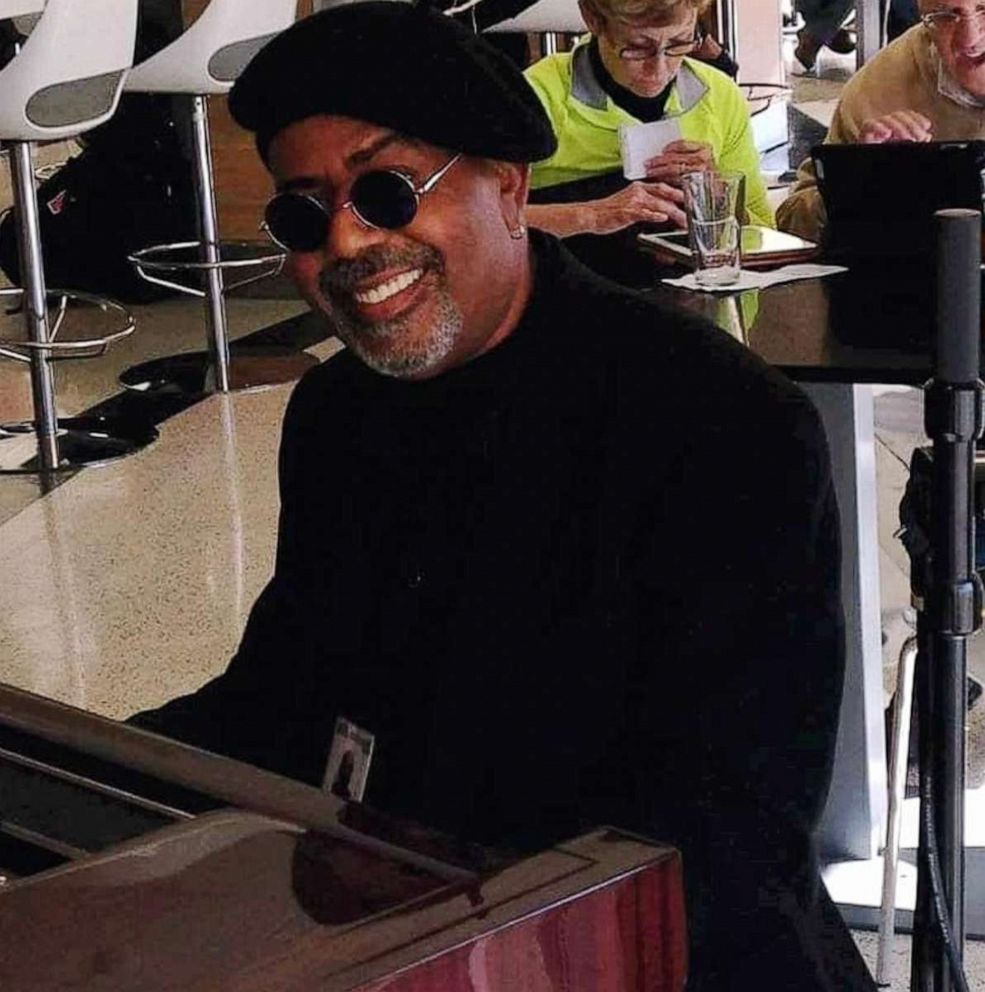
(585, 87)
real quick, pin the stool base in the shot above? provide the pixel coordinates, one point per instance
(193, 373)
(82, 441)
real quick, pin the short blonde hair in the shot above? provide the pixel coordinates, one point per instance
(652, 11)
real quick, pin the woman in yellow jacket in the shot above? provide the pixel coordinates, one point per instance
(634, 68)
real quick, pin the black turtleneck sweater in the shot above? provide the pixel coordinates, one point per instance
(589, 577)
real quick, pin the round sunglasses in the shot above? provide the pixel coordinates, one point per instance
(381, 198)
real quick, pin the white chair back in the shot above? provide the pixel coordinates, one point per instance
(69, 72)
(208, 57)
(319, 5)
(541, 17)
(546, 16)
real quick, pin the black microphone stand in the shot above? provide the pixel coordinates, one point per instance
(953, 604)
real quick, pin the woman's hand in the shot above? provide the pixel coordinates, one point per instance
(655, 203)
(677, 159)
(901, 125)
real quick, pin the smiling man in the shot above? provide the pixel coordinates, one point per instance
(408, 308)
(928, 85)
(523, 556)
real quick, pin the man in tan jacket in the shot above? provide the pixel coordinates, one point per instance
(928, 85)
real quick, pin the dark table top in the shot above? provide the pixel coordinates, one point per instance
(871, 324)
(837, 329)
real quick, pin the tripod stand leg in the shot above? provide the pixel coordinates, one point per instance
(922, 976)
(897, 790)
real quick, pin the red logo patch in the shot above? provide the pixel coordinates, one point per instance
(57, 202)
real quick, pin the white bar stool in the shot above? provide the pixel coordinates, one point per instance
(65, 79)
(206, 59)
(550, 19)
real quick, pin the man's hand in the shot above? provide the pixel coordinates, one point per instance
(901, 125)
(677, 159)
(640, 201)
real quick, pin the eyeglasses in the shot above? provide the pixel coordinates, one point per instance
(946, 20)
(381, 199)
(676, 49)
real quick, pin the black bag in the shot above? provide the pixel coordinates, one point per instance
(129, 188)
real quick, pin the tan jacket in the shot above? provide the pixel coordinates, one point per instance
(903, 76)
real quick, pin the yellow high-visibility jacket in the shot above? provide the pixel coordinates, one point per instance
(708, 104)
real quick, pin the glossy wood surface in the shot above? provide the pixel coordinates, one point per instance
(623, 937)
(237, 901)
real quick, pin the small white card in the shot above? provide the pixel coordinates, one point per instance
(348, 761)
(638, 143)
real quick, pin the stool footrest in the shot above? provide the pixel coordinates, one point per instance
(153, 263)
(89, 347)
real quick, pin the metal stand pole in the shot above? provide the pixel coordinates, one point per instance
(953, 422)
(35, 301)
(215, 301)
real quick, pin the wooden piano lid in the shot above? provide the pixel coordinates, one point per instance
(236, 900)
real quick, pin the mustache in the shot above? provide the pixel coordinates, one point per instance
(344, 275)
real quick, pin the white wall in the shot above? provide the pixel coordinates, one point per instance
(758, 29)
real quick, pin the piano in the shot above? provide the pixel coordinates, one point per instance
(129, 861)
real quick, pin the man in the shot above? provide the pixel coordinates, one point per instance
(928, 85)
(523, 538)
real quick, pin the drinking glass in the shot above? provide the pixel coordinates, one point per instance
(712, 203)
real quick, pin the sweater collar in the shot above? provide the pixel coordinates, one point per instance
(949, 88)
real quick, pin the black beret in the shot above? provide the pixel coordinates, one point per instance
(402, 66)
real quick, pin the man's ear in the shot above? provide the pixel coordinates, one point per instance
(514, 186)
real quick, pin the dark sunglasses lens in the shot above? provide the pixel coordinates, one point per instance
(297, 222)
(384, 199)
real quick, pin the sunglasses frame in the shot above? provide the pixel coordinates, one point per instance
(418, 191)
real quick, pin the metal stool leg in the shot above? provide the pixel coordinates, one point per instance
(35, 302)
(221, 369)
(46, 444)
(902, 707)
(214, 295)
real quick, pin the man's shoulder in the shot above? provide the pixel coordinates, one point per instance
(669, 359)
(629, 322)
(326, 390)
(894, 72)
